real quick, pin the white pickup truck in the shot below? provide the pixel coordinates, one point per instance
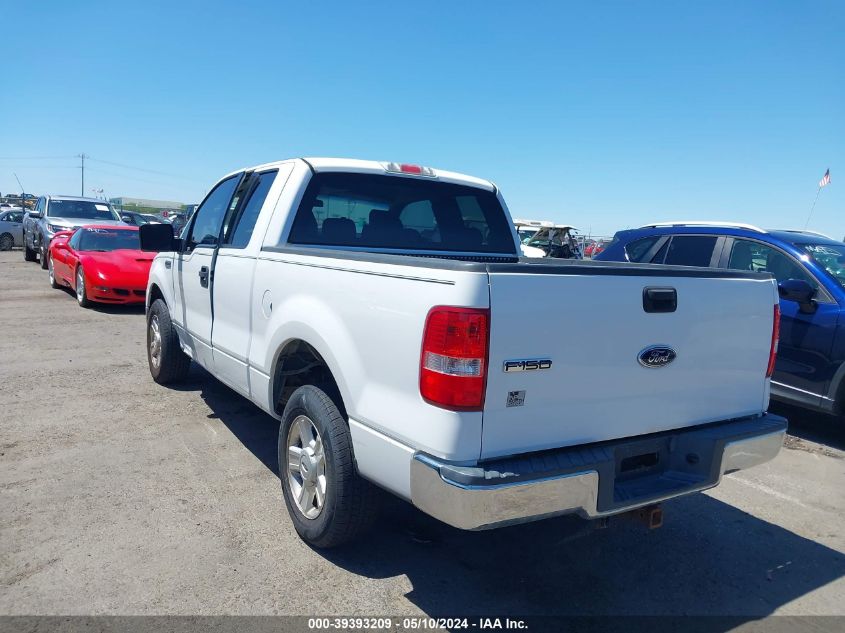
(379, 309)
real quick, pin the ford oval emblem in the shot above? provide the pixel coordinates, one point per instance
(656, 356)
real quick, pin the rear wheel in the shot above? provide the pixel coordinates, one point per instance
(6, 242)
(168, 363)
(52, 273)
(328, 502)
(81, 292)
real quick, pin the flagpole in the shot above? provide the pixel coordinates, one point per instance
(809, 215)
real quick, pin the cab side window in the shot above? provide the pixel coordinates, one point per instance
(208, 218)
(245, 222)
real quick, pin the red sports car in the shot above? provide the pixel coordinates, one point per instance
(101, 263)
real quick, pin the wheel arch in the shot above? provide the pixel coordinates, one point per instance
(298, 363)
(155, 292)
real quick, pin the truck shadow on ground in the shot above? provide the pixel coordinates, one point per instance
(710, 558)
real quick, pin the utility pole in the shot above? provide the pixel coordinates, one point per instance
(82, 158)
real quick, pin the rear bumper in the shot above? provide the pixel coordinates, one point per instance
(592, 481)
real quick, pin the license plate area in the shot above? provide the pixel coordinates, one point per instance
(656, 468)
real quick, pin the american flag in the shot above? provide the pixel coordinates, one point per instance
(825, 179)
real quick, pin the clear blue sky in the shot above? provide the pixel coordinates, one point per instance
(602, 114)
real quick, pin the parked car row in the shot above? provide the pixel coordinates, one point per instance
(86, 246)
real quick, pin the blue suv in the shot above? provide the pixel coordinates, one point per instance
(810, 271)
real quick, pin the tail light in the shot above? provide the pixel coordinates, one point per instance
(773, 351)
(453, 363)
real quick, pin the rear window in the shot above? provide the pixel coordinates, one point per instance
(375, 211)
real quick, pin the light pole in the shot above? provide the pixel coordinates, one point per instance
(82, 158)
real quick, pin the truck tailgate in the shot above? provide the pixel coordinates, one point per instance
(591, 322)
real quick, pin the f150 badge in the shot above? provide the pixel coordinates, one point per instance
(656, 356)
(527, 364)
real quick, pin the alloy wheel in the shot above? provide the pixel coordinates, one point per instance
(306, 471)
(80, 286)
(155, 341)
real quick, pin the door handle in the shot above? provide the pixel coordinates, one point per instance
(204, 276)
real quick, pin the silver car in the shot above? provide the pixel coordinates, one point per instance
(11, 228)
(61, 213)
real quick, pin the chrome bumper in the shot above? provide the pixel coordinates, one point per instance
(515, 490)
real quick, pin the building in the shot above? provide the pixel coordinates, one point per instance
(143, 205)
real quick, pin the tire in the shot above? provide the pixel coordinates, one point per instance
(349, 503)
(52, 273)
(43, 254)
(6, 242)
(81, 292)
(168, 363)
(28, 253)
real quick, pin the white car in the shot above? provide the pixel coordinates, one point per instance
(525, 230)
(557, 241)
(378, 311)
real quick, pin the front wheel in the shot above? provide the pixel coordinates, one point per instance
(44, 254)
(51, 271)
(28, 253)
(81, 293)
(168, 363)
(328, 502)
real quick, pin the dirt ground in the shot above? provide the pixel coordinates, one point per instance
(118, 496)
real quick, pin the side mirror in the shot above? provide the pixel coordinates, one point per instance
(800, 291)
(35, 215)
(127, 219)
(158, 238)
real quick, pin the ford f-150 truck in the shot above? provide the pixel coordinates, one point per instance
(378, 310)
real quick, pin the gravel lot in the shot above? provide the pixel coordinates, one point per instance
(118, 496)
